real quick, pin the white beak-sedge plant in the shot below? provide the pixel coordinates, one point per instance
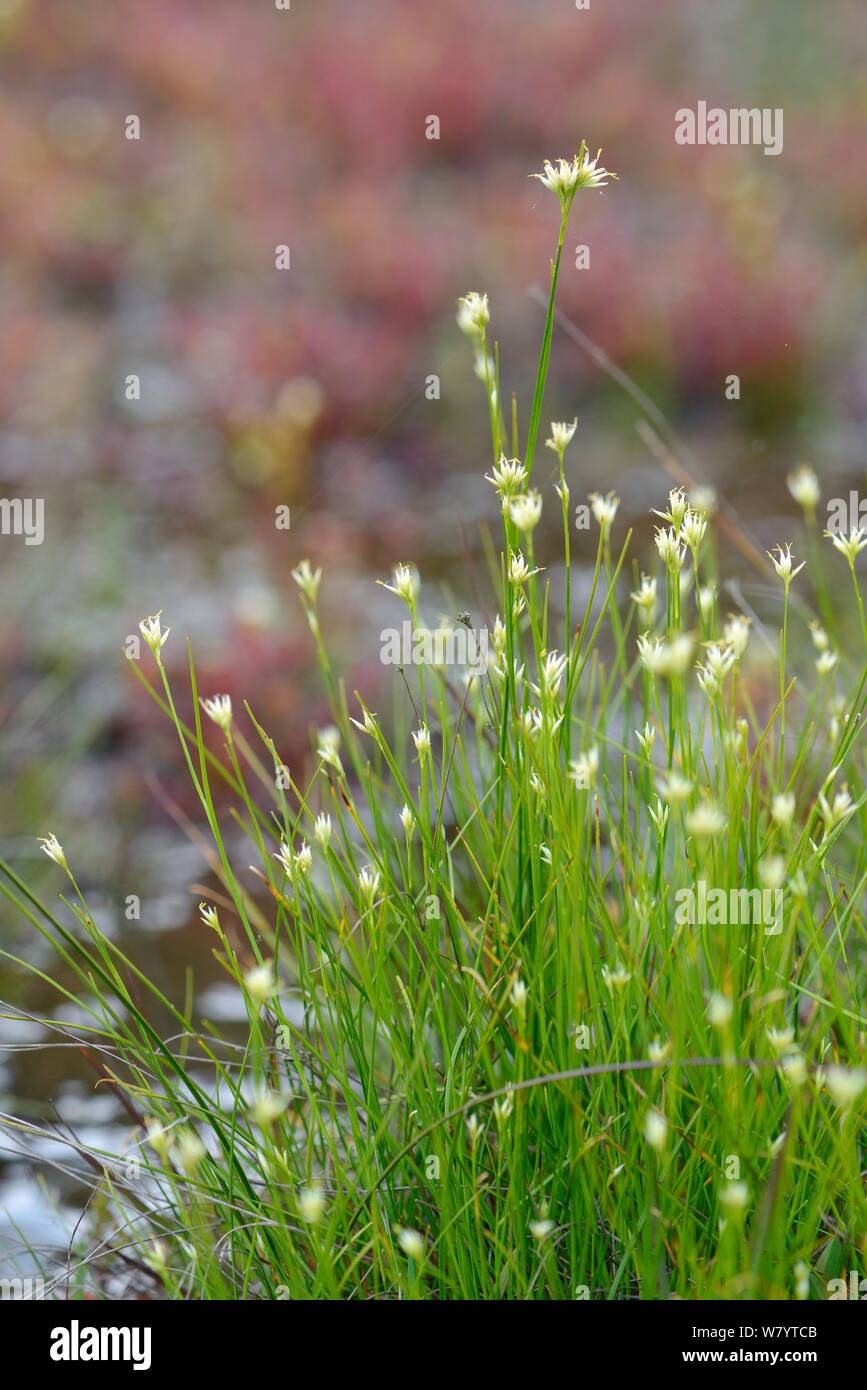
(549, 1045)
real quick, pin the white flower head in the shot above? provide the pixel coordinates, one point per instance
(666, 658)
(783, 564)
(737, 633)
(303, 859)
(421, 739)
(368, 724)
(850, 545)
(540, 1230)
(561, 436)
(260, 983)
(647, 738)
(368, 884)
(518, 995)
(734, 1196)
(475, 1129)
(266, 1107)
(508, 476)
(327, 745)
(719, 659)
(411, 1243)
(54, 849)
(190, 1151)
(153, 634)
(658, 1050)
(616, 978)
(209, 916)
(772, 871)
(473, 313)
(693, 528)
(804, 487)
(672, 552)
(838, 810)
(503, 1109)
(794, 1068)
(551, 674)
(656, 1130)
(719, 1010)
(519, 570)
(407, 820)
(311, 1205)
(323, 830)
(659, 815)
(825, 662)
(526, 510)
(781, 1039)
(564, 177)
(219, 709)
(307, 579)
(604, 510)
(676, 788)
(405, 584)
(160, 1139)
(783, 808)
(845, 1085)
(645, 596)
(705, 821)
(677, 509)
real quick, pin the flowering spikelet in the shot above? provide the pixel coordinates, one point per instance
(219, 709)
(564, 177)
(153, 634)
